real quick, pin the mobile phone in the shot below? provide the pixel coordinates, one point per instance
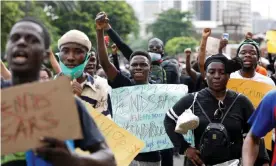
(225, 36)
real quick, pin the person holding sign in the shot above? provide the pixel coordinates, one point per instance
(27, 46)
(263, 120)
(216, 107)
(249, 52)
(140, 65)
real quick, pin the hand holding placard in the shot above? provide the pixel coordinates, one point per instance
(33, 110)
(123, 144)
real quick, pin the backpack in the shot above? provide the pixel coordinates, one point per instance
(172, 72)
(215, 142)
(158, 74)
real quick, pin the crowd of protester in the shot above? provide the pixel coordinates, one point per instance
(94, 73)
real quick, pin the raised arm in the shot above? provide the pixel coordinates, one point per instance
(5, 73)
(108, 67)
(122, 46)
(54, 63)
(190, 71)
(202, 50)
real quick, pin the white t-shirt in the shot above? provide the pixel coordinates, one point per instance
(257, 77)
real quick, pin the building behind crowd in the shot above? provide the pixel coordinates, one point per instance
(147, 11)
(261, 25)
(233, 17)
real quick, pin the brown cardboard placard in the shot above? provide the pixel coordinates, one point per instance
(34, 110)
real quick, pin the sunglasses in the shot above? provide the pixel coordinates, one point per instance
(218, 115)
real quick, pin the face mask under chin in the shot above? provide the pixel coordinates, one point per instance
(75, 72)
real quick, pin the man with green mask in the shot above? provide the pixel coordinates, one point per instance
(74, 55)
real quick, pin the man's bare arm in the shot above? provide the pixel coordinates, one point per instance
(100, 155)
(250, 149)
(202, 51)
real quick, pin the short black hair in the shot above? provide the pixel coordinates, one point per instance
(46, 35)
(142, 53)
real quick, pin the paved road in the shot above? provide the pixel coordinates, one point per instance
(178, 161)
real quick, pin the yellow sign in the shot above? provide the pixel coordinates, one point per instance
(271, 43)
(123, 144)
(255, 91)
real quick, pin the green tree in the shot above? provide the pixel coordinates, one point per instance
(171, 23)
(177, 45)
(62, 16)
(10, 13)
(121, 17)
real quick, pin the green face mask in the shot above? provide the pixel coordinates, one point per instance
(75, 72)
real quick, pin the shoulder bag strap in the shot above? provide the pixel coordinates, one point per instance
(195, 96)
(202, 110)
(230, 108)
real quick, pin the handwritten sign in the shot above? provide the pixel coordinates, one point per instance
(255, 91)
(271, 41)
(141, 110)
(212, 46)
(123, 144)
(33, 110)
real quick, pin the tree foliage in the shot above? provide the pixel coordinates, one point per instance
(10, 12)
(178, 44)
(171, 23)
(62, 16)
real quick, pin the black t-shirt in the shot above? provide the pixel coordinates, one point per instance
(235, 121)
(200, 83)
(91, 133)
(187, 80)
(122, 81)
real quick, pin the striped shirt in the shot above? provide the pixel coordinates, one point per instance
(97, 95)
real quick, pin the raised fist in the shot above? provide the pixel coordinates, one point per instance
(101, 21)
(206, 32)
(248, 35)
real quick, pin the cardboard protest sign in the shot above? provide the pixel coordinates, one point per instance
(141, 110)
(271, 41)
(123, 144)
(212, 46)
(255, 91)
(34, 110)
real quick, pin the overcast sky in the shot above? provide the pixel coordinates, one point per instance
(267, 8)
